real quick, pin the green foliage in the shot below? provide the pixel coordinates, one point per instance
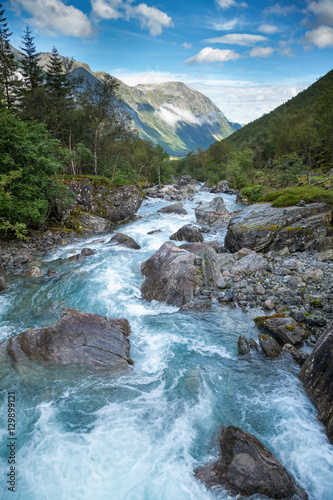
(253, 193)
(8, 66)
(291, 196)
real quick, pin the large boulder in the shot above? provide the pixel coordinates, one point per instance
(250, 264)
(175, 208)
(101, 199)
(247, 467)
(188, 233)
(222, 187)
(262, 227)
(171, 275)
(86, 224)
(76, 338)
(317, 377)
(208, 261)
(124, 240)
(284, 328)
(212, 212)
(3, 279)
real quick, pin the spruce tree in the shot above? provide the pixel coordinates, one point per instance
(32, 73)
(8, 66)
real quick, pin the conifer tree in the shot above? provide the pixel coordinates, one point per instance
(32, 73)
(8, 66)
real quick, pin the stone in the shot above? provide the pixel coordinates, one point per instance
(246, 345)
(124, 240)
(299, 357)
(249, 264)
(3, 278)
(283, 328)
(269, 304)
(269, 346)
(259, 289)
(242, 253)
(154, 231)
(170, 275)
(247, 467)
(35, 271)
(77, 338)
(226, 261)
(86, 223)
(188, 233)
(262, 227)
(222, 187)
(317, 377)
(208, 213)
(86, 252)
(226, 296)
(198, 247)
(175, 208)
(197, 305)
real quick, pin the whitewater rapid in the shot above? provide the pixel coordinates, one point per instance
(140, 436)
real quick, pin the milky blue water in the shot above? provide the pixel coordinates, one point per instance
(140, 436)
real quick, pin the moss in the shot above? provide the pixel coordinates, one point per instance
(291, 196)
(316, 303)
(290, 328)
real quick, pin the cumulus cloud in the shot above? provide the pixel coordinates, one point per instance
(321, 37)
(226, 4)
(323, 9)
(210, 55)
(53, 16)
(261, 52)
(238, 39)
(187, 45)
(280, 10)
(268, 29)
(106, 9)
(150, 18)
(172, 115)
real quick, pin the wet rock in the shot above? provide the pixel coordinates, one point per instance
(188, 233)
(3, 279)
(226, 296)
(263, 227)
(86, 252)
(317, 377)
(175, 208)
(247, 467)
(246, 345)
(171, 275)
(222, 187)
(269, 346)
(197, 305)
(208, 213)
(124, 240)
(35, 271)
(283, 328)
(76, 338)
(52, 273)
(299, 357)
(154, 231)
(198, 247)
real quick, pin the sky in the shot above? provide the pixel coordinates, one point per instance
(248, 57)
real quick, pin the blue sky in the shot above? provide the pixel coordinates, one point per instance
(247, 56)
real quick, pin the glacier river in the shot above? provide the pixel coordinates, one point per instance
(139, 436)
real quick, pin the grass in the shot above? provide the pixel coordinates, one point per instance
(291, 196)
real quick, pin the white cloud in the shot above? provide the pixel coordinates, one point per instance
(210, 55)
(53, 16)
(323, 9)
(187, 45)
(268, 29)
(280, 10)
(106, 9)
(223, 25)
(172, 115)
(238, 39)
(261, 52)
(226, 4)
(322, 37)
(150, 18)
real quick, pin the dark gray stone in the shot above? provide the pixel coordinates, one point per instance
(124, 240)
(188, 233)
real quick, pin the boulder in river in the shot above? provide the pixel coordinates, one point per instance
(171, 275)
(175, 208)
(3, 279)
(247, 467)
(246, 345)
(124, 240)
(269, 346)
(284, 328)
(188, 233)
(261, 227)
(76, 338)
(317, 377)
(209, 213)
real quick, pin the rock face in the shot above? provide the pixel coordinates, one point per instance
(124, 240)
(113, 203)
(262, 227)
(171, 275)
(188, 233)
(76, 338)
(222, 187)
(86, 223)
(247, 467)
(3, 279)
(317, 377)
(208, 213)
(249, 264)
(285, 329)
(175, 208)
(269, 346)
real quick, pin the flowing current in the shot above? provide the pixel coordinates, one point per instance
(140, 436)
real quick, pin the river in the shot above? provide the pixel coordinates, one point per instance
(139, 436)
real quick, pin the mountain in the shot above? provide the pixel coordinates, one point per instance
(171, 114)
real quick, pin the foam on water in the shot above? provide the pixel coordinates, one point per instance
(140, 435)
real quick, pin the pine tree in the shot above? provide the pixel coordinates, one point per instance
(8, 66)
(32, 73)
